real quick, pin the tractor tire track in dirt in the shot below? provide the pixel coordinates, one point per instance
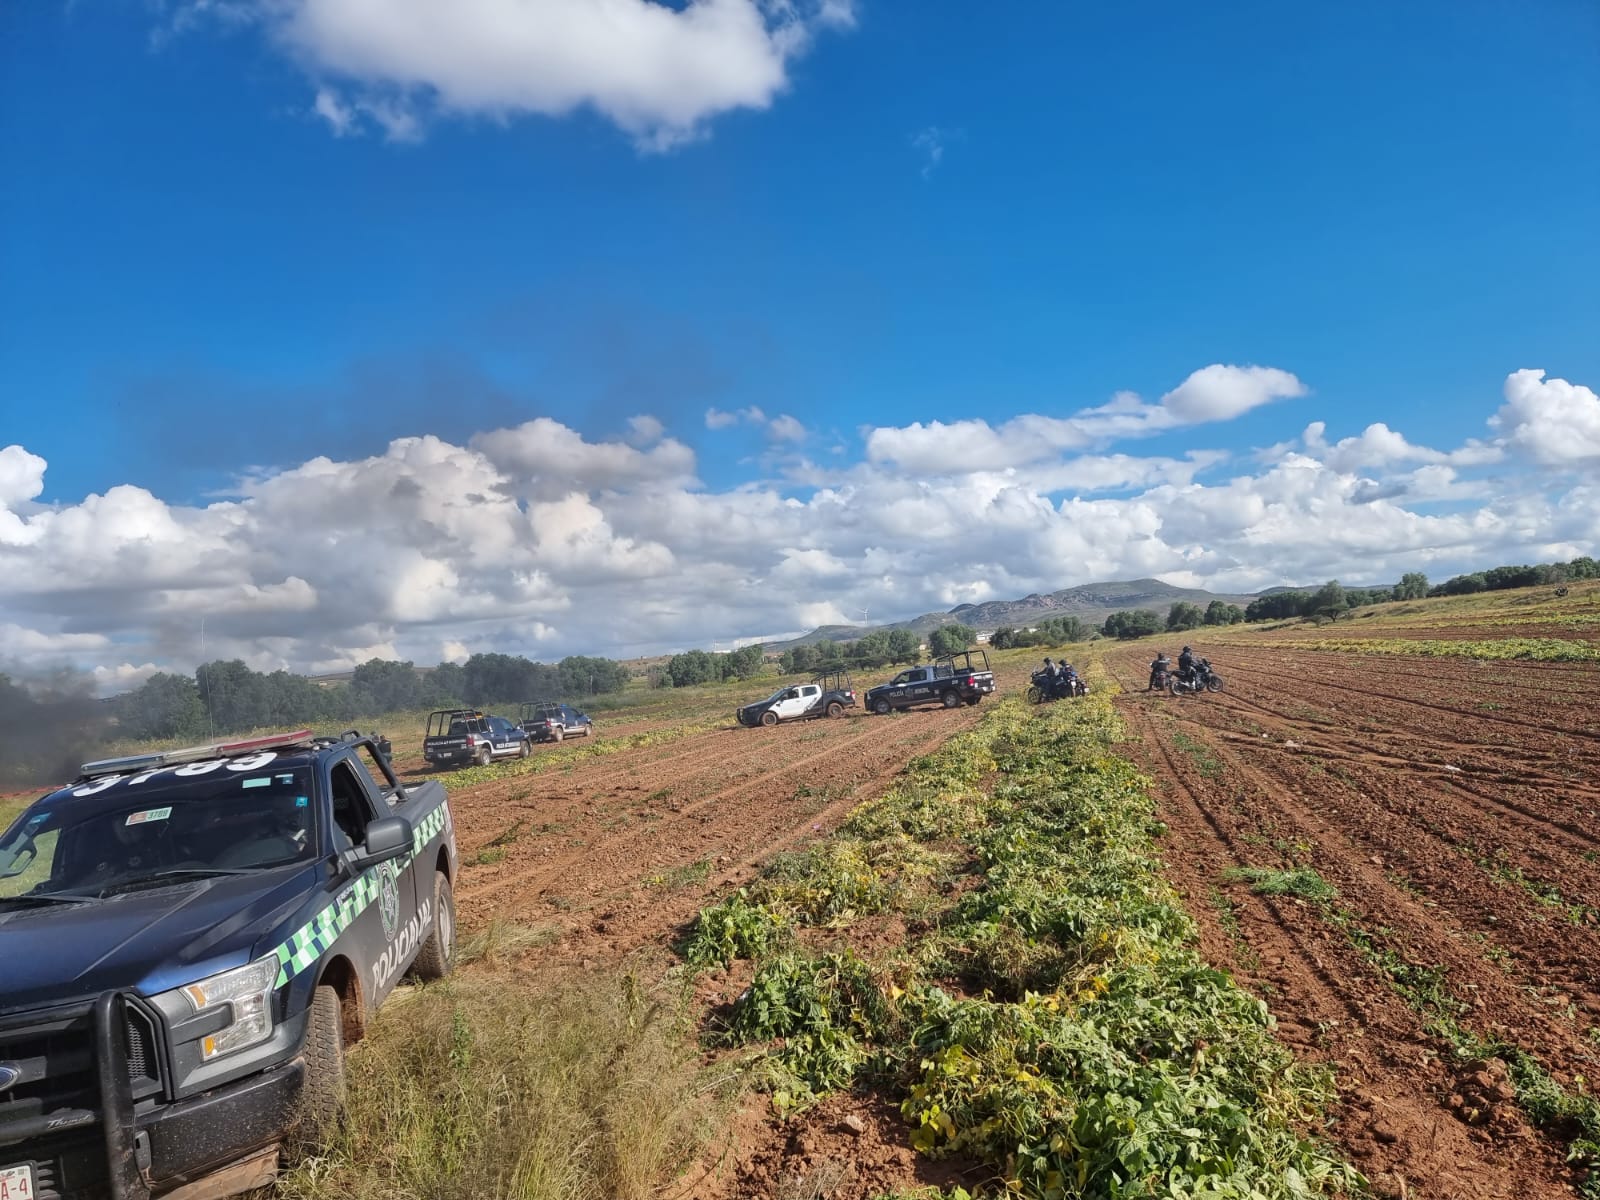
(1464, 837)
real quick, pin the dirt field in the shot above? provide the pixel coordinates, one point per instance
(619, 852)
(1454, 806)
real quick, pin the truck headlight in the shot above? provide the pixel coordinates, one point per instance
(247, 993)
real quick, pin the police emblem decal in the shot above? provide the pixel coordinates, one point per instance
(388, 898)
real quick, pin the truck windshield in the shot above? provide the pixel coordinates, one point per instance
(134, 834)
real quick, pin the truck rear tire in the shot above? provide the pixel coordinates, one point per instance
(483, 757)
(950, 700)
(322, 1095)
(557, 735)
(835, 709)
(881, 707)
(437, 955)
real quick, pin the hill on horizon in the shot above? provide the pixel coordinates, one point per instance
(1089, 602)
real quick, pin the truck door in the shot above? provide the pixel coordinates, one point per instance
(922, 686)
(384, 934)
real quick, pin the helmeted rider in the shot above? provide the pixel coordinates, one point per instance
(1069, 680)
(1159, 669)
(1186, 664)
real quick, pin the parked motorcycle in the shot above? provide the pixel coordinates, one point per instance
(1044, 686)
(1203, 679)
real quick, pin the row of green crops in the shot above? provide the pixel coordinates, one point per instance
(1048, 1014)
(1523, 649)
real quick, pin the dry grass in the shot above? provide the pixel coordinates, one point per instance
(478, 1087)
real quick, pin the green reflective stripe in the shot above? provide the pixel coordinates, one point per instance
(306, 945)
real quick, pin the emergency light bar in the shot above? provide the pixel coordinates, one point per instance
(168, 758)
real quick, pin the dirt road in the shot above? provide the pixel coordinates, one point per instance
(1454, 806)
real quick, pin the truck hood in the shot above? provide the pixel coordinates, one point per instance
(146, 941)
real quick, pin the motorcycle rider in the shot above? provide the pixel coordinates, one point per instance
(1186, 665)
(1159, 670)
(1069, 680)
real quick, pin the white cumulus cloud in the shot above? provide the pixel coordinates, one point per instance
(656, 70)
(1553, 422)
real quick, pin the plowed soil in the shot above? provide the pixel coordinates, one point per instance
(619, 852)
(1455, 807)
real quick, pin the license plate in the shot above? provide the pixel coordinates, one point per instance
(16, 1183)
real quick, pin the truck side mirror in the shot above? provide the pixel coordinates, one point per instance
(387, 838)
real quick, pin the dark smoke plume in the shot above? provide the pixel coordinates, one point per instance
(48, 727)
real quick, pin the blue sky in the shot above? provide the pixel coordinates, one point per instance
(905, 213)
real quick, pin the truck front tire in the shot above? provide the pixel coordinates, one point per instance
(769, 717)
(322, 1096)
(881, 707)
(437, 955)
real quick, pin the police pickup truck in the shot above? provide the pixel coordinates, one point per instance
(457, 736)
(827, 695)
(190, 941)
(952, 681)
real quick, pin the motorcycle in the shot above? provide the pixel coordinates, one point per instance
(1043, 686)
(1203, 679)
(1158, 679)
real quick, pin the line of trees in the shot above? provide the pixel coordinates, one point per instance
(1053, 631)
(703, 666)
(228, 697)
(1497, 578)
(880, 648)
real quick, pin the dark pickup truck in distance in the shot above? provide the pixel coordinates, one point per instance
(466, 735)
(952, 681)
(191, 939)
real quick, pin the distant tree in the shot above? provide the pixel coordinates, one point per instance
(233, 695)
(746, 662)
(164, 706)
(582, 676)
(1460, 585)
(1003, 638)
(1220, 612)
(904, 646)
(1413, 585)
(797, 660)
(1583, 568)
(1132, 623)
(692, 667)
(444, 687)
(1277, 606)
(1328, 600)
(1184, 615)
(950, 639)
(383, 686)
(1497, 578)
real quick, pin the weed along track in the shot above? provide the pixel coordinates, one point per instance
(1409, 875)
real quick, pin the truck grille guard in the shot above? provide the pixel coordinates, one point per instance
(77, 1067)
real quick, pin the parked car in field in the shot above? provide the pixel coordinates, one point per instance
(192, 938)
(549, 721)
(457, 736)
(827, 695)
(952, 681)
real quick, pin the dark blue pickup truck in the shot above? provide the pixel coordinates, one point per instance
(188, 942)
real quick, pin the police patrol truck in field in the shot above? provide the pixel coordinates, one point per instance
(189, 941)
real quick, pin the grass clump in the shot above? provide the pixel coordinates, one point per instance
(1268, 881)
(478, 1088)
